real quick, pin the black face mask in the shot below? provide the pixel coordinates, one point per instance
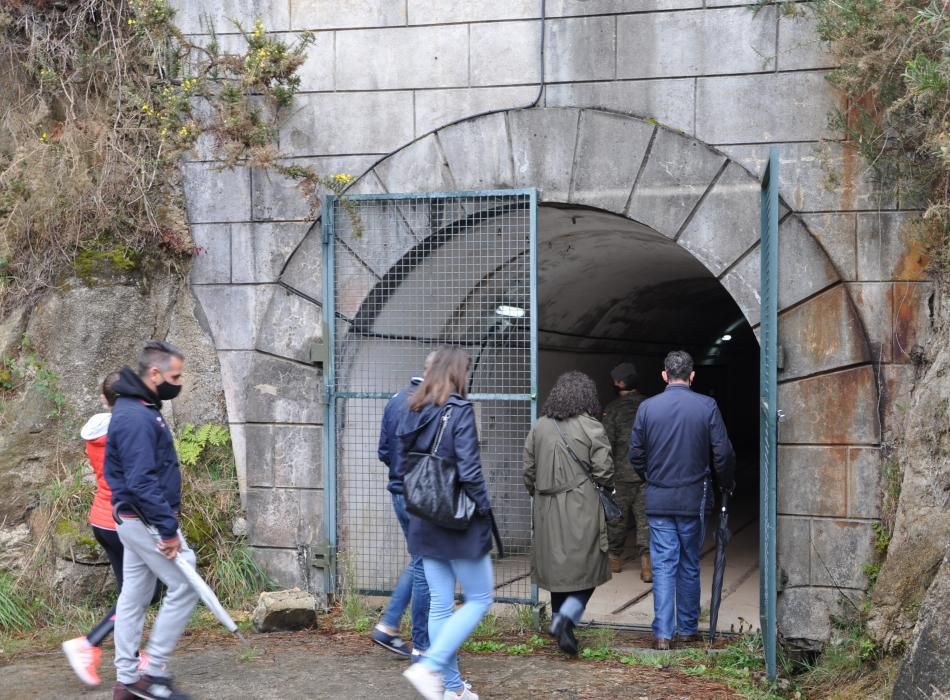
(167, 391)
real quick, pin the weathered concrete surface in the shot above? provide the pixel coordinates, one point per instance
(804, 614)
(824, 409)
(541, 154)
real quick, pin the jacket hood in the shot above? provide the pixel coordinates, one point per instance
(414, 422)
(131, 385)
(96, 427)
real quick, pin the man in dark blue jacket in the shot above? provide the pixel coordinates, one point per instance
(412, 583)
(678, 441)
(141, 467)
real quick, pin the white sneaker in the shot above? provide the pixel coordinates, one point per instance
(467, 694)
(84, 659)
(427, 683)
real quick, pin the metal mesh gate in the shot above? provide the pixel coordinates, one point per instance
(407, 274)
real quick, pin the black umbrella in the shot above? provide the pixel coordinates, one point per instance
(719, 569)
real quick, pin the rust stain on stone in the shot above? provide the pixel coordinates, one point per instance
(905, 300)
(911, 265)
(849, 164)
(834, 408)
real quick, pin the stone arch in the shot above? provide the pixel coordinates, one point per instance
(707, 204)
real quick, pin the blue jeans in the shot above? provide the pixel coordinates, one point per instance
(675, 544)
(411, 585)
(449, 627)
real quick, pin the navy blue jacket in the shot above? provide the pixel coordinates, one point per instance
(417, 433)
(141, 465)
(678, 439)
(388, 440)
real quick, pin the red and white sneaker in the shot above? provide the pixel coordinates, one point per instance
(84, 659)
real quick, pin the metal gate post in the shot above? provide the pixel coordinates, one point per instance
(329, 399)
(768, 389)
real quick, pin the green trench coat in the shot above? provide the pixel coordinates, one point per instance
(570, 532)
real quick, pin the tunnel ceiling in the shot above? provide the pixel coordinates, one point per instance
(604, 276)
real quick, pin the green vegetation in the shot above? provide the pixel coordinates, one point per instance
(28, 369)
(894, 68)
(355, 614)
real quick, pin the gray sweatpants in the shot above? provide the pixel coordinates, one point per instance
(142, 563)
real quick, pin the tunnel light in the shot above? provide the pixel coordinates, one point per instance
(509, 311)
(727, 337)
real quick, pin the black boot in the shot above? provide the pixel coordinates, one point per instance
(566, 640)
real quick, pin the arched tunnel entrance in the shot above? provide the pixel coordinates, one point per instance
(613, 290)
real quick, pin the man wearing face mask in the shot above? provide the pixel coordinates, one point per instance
(141, 467)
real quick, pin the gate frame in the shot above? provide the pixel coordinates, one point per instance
(330, 395)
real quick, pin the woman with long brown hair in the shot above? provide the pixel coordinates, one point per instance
(565, 452)
(441, 421)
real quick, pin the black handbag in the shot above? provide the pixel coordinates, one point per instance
(432, 489)
(611, 510)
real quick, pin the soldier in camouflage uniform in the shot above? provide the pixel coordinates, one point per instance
(618, 421)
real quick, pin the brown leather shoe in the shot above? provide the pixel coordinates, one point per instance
(661, 644)
(616, 565)
(646, 569)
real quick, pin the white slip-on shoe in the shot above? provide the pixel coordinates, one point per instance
(427, 683)
(467, 694)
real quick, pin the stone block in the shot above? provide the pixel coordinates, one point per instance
(913, 318)
(378, 59)
(839, 408)
(328, 14)
(213, 195)
(233, 312)
(793, 545)
(420, 167)
(287, 567)
(610, 150)
(348, 123)
(825, 177)
(277, 197)
(445, 11)
(212, 261)
(813, 481)
(569, 8)
(700, 42)
(581, 48)
(260, 251)
(504, 54)
(304, 271)
(799, 46)
(285, 456)
(872, 300)
(436, 108)
(803, 267)
(726, 223)
(317, 73)
(284, 517)
(887, 249)
(290, 326)
(75, 583)
(765, 108)
(840, 549)
(542, 147)
(864, 489)
(677, 172)
(235, 365)
(669, 102)
(835, 233)
(744, 285)
(821, 334)
(479, 153)
(203, 17)
(278, 611)
(281, 391)
(804, 614)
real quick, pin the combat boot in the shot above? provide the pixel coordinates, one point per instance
(646, 570)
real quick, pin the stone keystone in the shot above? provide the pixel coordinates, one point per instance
(285, 610)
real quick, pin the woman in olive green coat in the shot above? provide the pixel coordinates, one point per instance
(570, 532)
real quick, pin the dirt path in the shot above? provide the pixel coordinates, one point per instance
(318, 665)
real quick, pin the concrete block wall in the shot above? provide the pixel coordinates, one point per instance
(384, 73)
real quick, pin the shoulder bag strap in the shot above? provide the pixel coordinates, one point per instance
(569, 449)
(438, 437)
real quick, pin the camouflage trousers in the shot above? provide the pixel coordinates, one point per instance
(631, 497)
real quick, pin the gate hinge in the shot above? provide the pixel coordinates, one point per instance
(319, 353)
